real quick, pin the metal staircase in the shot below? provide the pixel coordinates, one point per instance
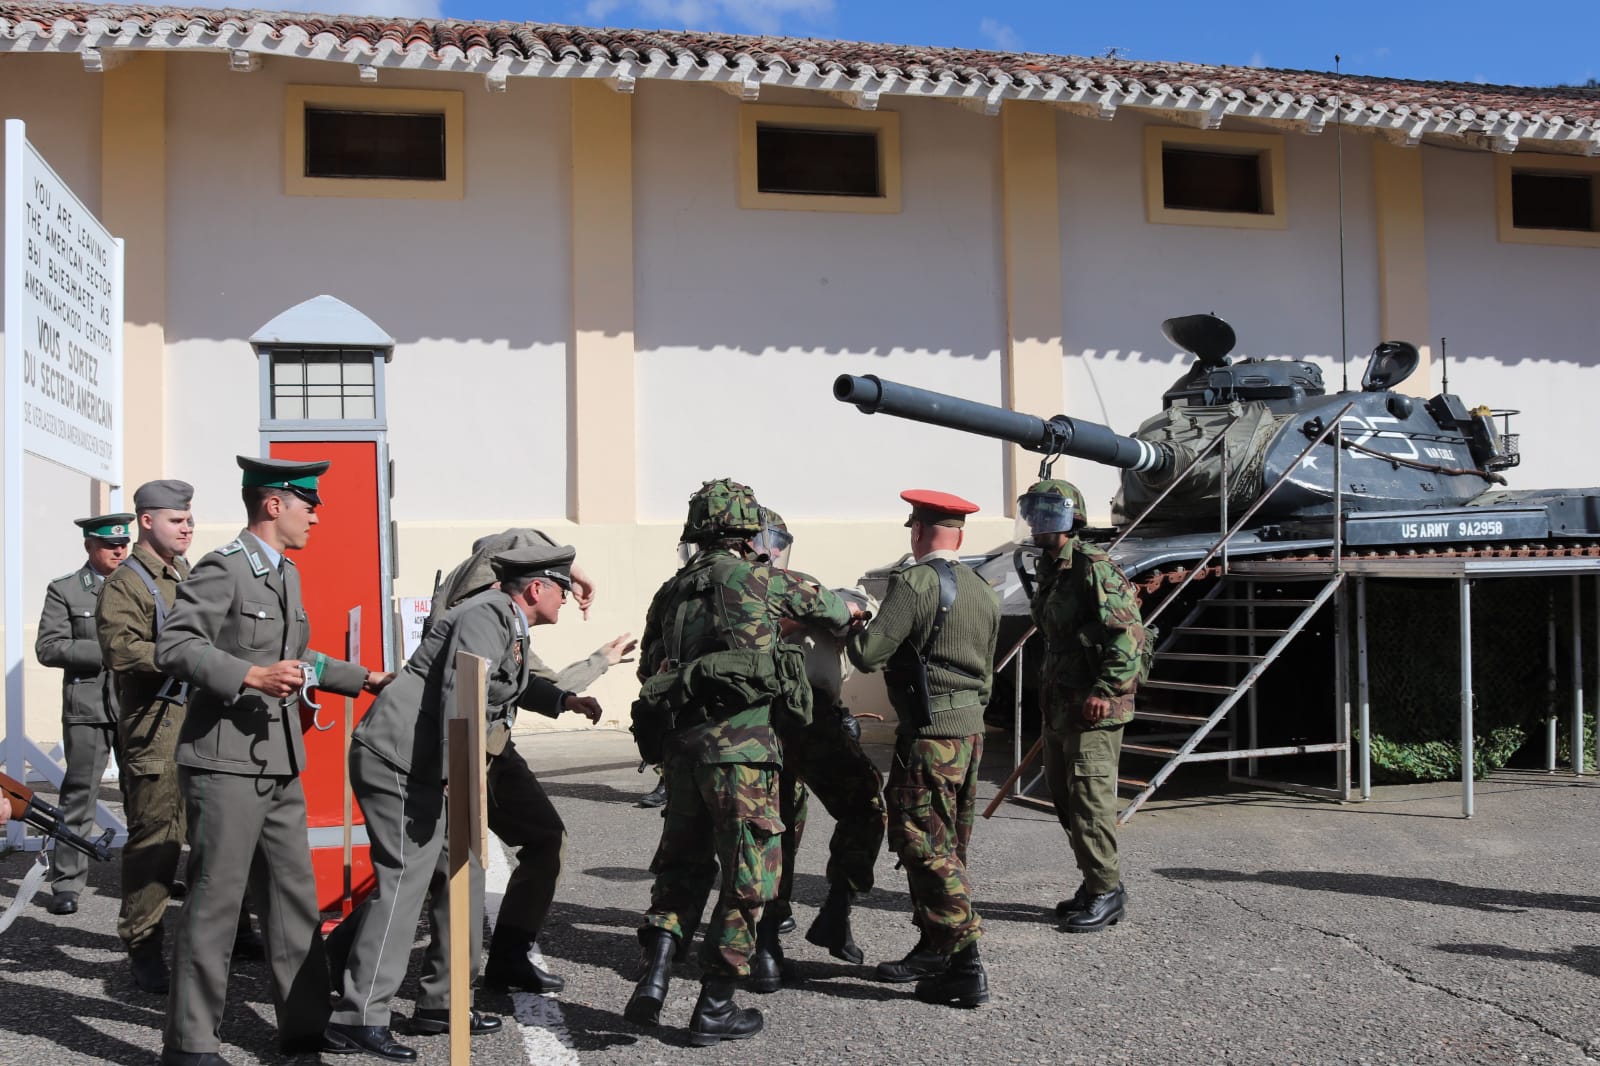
(1217, 653)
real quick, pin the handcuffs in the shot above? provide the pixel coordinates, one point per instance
(308, 674)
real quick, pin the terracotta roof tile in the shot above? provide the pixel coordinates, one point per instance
(530, 48)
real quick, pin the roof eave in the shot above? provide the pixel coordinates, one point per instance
(102, 40)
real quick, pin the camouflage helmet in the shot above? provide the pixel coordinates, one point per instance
(774, 540)
(721, 508)
(1049, 506)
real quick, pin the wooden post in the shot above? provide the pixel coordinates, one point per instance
(468, 830)
(352, 653)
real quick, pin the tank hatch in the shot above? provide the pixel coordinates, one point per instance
(1208, 338)
(1247, 380)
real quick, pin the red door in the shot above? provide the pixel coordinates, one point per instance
(340, 568)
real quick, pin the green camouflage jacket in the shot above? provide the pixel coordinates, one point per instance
(730, 604)
(1094, 638)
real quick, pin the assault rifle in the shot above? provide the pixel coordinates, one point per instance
(48, 819)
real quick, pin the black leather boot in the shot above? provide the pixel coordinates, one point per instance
(963, 984)
(149, 968)
(922, 961)
(508, 964)
(656, 797)
(655, 973)
(766, 964)
(831, 929)
(376, 1040)
(1079, 902)
(717, 1018)
(1101, 911)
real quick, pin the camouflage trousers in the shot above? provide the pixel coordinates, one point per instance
(825, 760)
(718, 815)
(933, 795)
(1080, 767)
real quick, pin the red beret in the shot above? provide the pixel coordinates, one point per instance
(937, 508)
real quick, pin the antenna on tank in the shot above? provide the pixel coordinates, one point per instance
(1444, 366)
(1338, 141)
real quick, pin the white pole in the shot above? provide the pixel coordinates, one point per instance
(1364, 688)
(1466, 698)
(1577, 675)
(16, 749)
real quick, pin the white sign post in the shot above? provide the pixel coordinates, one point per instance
(63, 376)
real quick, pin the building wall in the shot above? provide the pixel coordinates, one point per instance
(1519, 319)
(742, 318)
(745, 317)
(1122, 276)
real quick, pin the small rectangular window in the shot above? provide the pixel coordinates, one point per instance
(374, 144)
(817, 162)
(1553, 201)
(833, 159)
(1196, 177)
(1212, 181)
(323, 385)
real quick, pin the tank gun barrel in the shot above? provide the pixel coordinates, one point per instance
(1058, 435)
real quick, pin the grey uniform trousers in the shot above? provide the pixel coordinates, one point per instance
(88, 747)
(406, 825)
(246, 834)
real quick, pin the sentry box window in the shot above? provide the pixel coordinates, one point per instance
(1548, 200)
(320, 385)
(374, 143)
(819, 159)
(1209, 178)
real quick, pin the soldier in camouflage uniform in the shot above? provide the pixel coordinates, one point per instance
(1095, 642)
(824, 757)
(715, 677)
(939, 621)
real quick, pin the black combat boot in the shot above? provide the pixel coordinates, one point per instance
(922, 961)
(964, 984)
(656, 797)
(149, 968)
(508, 964)
(1100, 911)
(831, 929)
(717, 1018)
(766, 964)
(655, 972)
(1079, 902)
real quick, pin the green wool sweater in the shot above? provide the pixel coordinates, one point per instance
(961, 662)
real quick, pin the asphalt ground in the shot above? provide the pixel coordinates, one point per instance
(1261, 928)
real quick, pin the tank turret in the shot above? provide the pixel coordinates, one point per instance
(1400, 454)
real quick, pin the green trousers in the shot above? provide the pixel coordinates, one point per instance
(1080, 766)
(932, 796)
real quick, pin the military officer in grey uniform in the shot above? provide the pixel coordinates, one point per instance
(520, 813)
(88, 703)
(238, 635)
(133, 607)
(397, 766)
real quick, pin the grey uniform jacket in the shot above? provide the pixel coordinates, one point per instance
(406, 727)
(67, 640)
(235, 612)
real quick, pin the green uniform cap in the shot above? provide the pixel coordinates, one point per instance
(298, 477)
(111, 528)
(550, 561)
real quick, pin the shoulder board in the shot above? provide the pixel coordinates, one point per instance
(233, 547)
(64, 577)
(257, 567)
(1094, 553)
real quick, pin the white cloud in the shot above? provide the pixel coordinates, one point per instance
(1000, 35)
(757, 16)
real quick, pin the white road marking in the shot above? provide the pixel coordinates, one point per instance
(544, 1030)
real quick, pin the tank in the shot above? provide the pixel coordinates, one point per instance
(1417, 474)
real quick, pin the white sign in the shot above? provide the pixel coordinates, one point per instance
(413, 612)
(63, 319)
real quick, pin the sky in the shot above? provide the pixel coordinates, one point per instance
(1536, 42)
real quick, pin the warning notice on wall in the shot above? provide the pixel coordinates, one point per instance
(63, 319)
